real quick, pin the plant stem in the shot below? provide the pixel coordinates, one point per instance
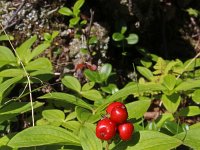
(107, 146)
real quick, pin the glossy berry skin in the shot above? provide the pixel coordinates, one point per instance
(113, 105)
(106, 129)
(125, 131)
(119, 114)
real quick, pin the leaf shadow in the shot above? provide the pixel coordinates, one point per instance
(123, 145)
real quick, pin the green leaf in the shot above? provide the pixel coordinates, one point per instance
(146, 63)
(149, 140)
(39, 64)
(37, 51)
(92, 76)
(74, 21)
(6, 38)
(65, 11)
(78, 4)
(7, 84)
(67, 98)
(173, 127)
(76, 13)
(193, 12)
(24, 50)
(132, 89)
(72, 125)
(171, 102)
(87, 86)
(138, 108)
(163, 118)
(169, 81)
(6, 56)
(160, 66)
(88, 139)
(117, 37)
(54, 34)
(85, 115)
(110, 89)
(39, 75)
(194, 126)
(190, 138)
(196, 96)
(123, 29)
(92, 95)
(72, 83)
(71, 116)
(54, 116)
(188, 85)
(132, 39)
(189, 111)
(18, 107)
(105, 71)
(145, 72)
(15, 108)
(84, 22)
(12, 73)
(47, 36)
(93, 40)
(43, 135)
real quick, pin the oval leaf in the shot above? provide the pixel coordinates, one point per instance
(190, 138)
(65, 11)
(12, 73)
(88, 86)
(86, 115)
(169, 81)
(188, 85)
(78, 4)
(88, 139)
(39, 64)
(132, 39)
(38, 50)
(6, 56)
(54, 115)
(189, 111)
(145, 72)
(24, 50)
(43, 135)
(72, 83)
(138, 108)
(67, 98)
(92, 76)
(117, 37)
(92, 95)
(196, 96)
(149, 140)
(171, 102)
(105, 72)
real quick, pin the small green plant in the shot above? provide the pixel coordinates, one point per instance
(74, 13)
(131, 39)
(40, 68)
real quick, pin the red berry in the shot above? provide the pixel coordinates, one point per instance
(119, 114)
(125, 131)
(106, 129)
(79, 66)
(112, 105)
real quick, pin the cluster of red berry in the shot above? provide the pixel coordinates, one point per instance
(117, 122)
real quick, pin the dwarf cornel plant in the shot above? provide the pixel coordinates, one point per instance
(83, 106)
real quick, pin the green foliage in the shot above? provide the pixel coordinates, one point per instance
(74, 13)
(67, 119)
(131, 39)
(83, 105)
(12, 62)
